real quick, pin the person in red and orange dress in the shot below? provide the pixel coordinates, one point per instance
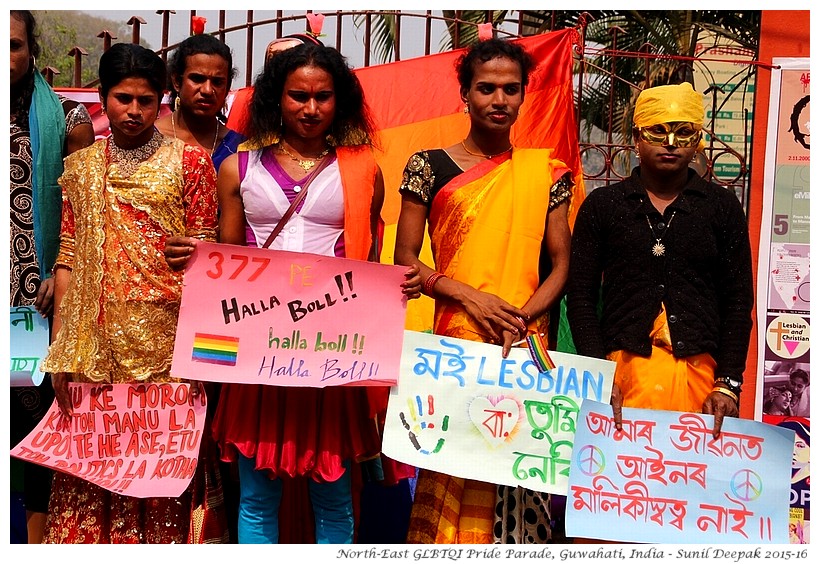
(117, 301)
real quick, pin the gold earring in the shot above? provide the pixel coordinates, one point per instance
(466, 109)
(176, 103)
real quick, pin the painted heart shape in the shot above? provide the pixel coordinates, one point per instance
(497, 420)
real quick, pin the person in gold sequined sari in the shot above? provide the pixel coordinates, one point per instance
(45, 127)
(500, 237)
(117, 300)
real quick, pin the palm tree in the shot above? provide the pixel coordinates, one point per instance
(667, 39)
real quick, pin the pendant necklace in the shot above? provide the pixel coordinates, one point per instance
(305, 164)
(482, 155)
(216, 133)
(659, 249)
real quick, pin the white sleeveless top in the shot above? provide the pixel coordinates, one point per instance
(315, 227)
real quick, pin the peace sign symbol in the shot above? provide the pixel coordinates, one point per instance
(590, 460)
(747, 485)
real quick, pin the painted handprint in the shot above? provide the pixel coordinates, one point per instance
(421, 423)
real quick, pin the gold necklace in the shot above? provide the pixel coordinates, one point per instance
(659, 249)
(129, 160)
(216, 133)
(305, 164)
(482, 154)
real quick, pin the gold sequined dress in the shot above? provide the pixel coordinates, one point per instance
(120, 309)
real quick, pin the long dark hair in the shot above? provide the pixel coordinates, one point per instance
(126, 60)
(484, 51)
(21, 95)
(352, 124)
(197, 45)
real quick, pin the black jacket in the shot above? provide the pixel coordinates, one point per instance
(704, 278)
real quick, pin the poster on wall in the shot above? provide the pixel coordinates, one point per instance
(724, 73)
(784, 276)
(800, 488)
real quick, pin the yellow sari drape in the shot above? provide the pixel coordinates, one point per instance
(677, 384)
(486, 229)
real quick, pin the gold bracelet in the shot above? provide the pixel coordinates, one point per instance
(726, 392)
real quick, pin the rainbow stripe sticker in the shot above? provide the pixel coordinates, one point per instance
(215, 349)
(538, 352)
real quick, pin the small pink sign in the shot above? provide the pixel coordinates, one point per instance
(259, 316)
(139, 440)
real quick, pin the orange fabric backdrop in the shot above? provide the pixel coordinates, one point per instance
(417, 105)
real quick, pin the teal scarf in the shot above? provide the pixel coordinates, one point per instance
(46, 121)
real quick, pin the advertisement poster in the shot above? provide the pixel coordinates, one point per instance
(724, 72)
(664, 478)
(139, 440)
(800, 500)
(462, 409)
(259, 316)
(784, 275)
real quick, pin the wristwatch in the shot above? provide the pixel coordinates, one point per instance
(731, 383)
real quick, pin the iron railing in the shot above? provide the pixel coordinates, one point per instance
(603, 162)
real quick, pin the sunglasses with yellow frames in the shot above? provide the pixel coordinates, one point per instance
(680, 134)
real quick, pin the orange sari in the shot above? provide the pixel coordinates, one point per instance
(486, 229)
(677, 384)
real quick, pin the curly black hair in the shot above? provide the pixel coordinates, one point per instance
(484, 51)
(352, 123)
(197, 45)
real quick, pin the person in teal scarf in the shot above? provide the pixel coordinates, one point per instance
(44, 128)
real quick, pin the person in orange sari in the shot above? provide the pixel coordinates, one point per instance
(500, 238)
(116, 299)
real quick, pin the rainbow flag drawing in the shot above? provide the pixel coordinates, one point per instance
(538, 352)
(215, 349)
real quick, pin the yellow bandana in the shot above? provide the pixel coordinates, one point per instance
(663, 104)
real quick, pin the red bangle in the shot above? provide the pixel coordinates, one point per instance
(427, 287)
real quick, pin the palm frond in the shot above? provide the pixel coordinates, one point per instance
(383, 33)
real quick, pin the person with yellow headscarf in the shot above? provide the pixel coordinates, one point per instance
(667, 254)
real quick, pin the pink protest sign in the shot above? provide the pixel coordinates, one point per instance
(259, 316)
(139, 440)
